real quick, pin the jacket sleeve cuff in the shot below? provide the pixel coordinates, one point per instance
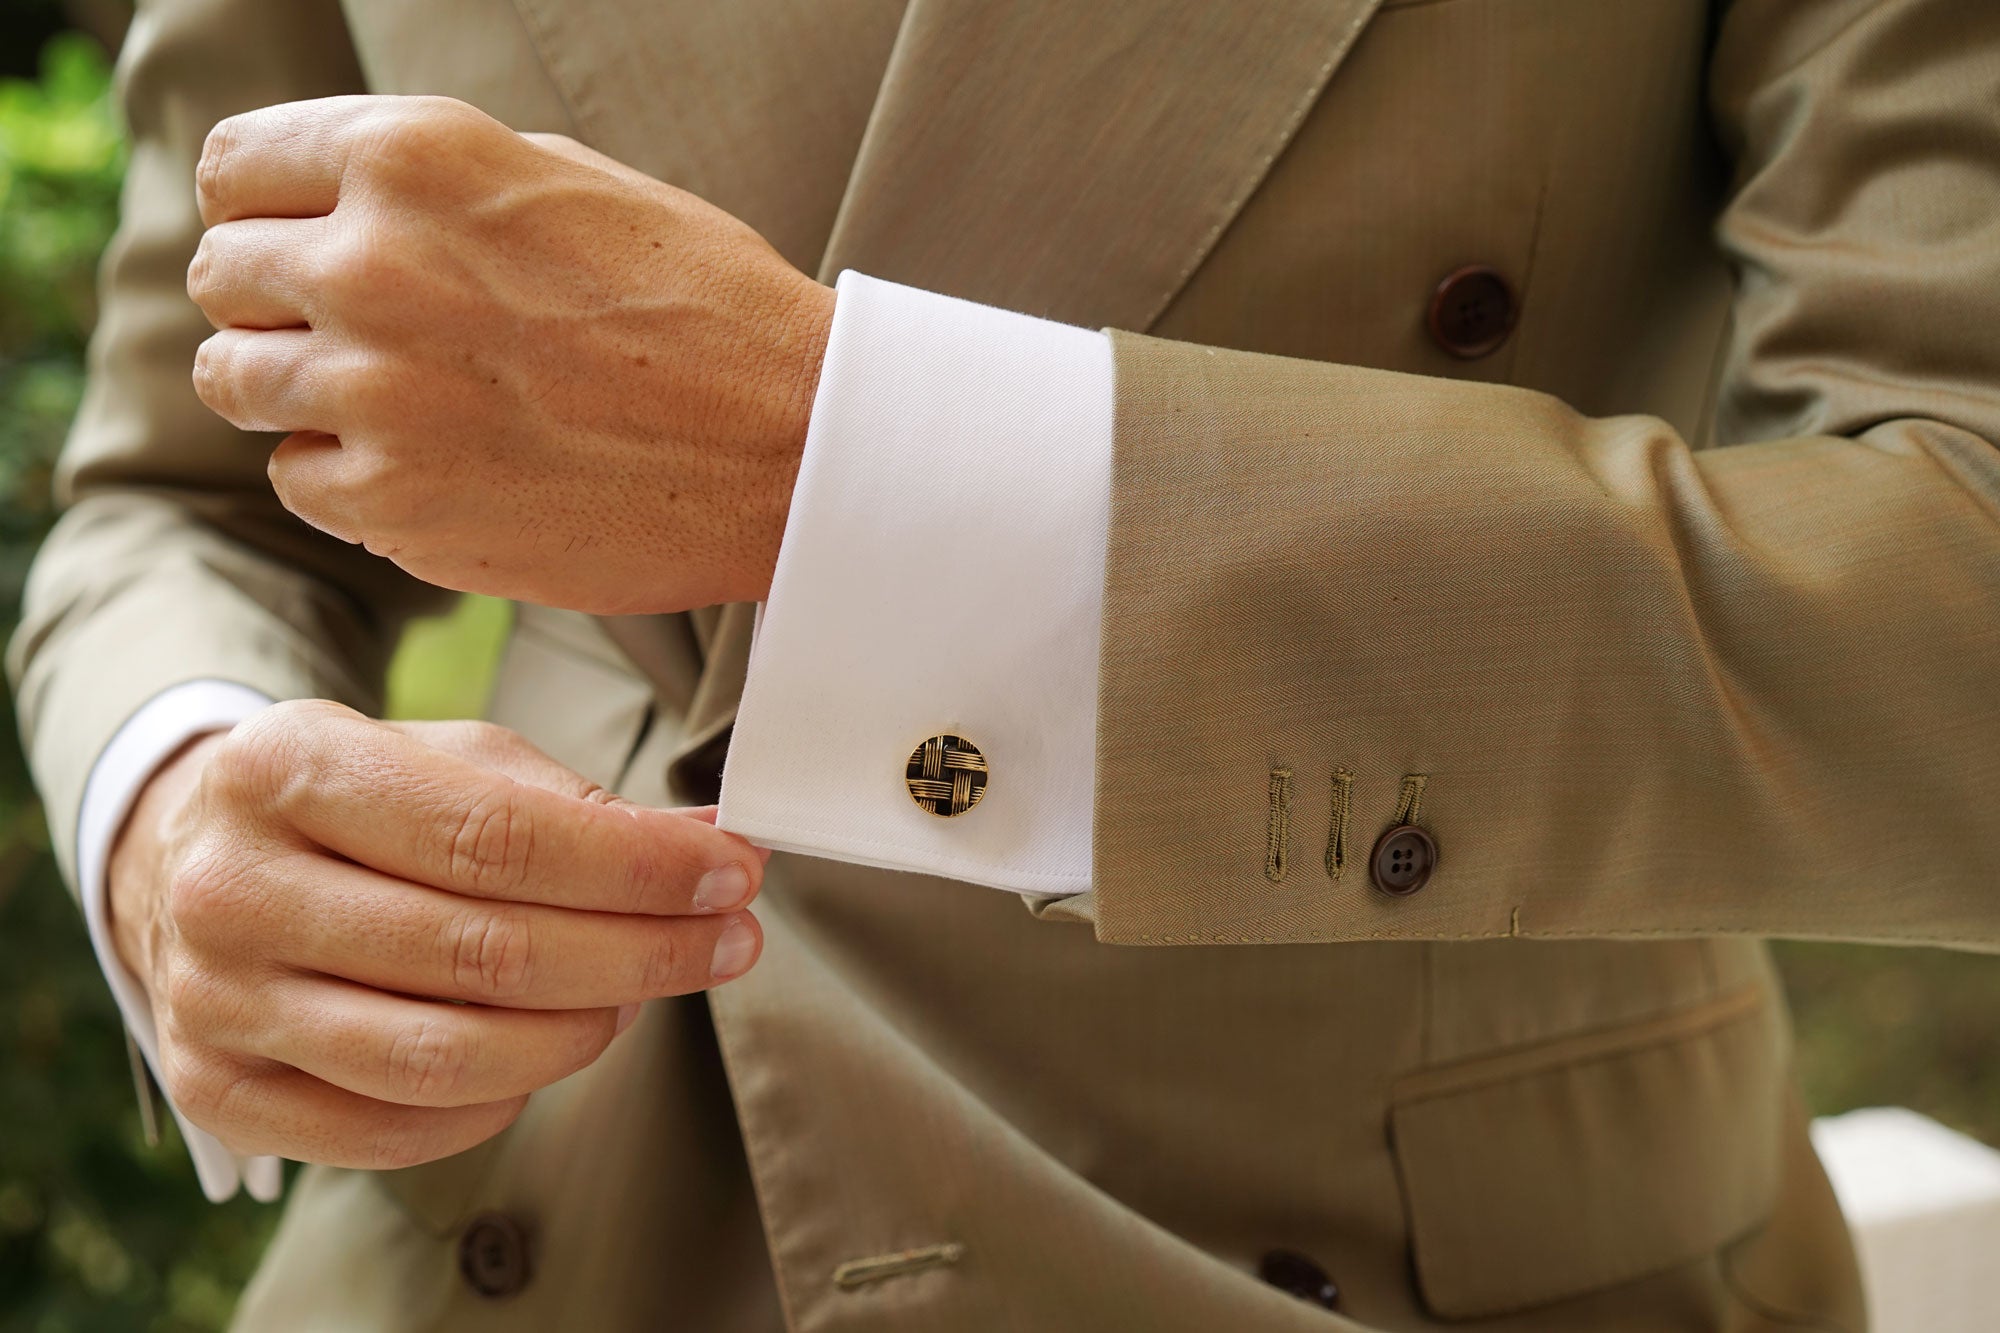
(941, 575)
(167, 722)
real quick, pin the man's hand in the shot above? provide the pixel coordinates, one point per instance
(508, 363)
(366, 943)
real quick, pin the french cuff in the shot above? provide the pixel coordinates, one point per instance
(922, 689)
(168, 721)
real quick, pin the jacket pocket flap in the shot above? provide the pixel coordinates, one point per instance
(1549, 1172)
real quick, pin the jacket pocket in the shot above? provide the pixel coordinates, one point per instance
(1558, 1169)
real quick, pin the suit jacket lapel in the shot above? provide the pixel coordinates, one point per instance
(1077, 161)
(755, 105)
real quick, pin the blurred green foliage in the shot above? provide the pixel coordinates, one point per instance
(97, 1230)
(444, 666)
(61, 156)
(100, 1232)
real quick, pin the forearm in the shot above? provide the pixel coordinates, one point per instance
(133, 594)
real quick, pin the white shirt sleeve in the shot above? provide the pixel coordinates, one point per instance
(941, 574)
(168, 721)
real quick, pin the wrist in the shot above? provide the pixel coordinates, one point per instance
(807, 327)
(799, 355)
(134, 886)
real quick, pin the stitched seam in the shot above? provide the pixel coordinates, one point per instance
(1579, 1050)
(860, 1272)
(1278, 830)
(1256, 176)
(1410, 802)
(1336, 832)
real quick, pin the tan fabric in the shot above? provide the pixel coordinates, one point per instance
(1655, 690)
(1680, 601)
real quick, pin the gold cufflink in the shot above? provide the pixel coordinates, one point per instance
(946, 776)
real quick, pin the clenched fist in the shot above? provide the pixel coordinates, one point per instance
(505, 362)
(366, 943)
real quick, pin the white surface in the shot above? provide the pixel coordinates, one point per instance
(1923, 1203)
(168, 721)
(942, 572)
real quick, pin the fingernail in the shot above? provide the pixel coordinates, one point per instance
(733, 951)
(626, 1013)
(722, 888)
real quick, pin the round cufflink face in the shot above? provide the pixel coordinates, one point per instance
(946, 776)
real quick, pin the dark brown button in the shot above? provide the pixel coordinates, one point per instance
(493, 1256)
(1301, 1277)
(1403, 861)
(946, 776)
(1472, 312)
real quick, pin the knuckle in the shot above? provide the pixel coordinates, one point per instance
(490, 842)
(190, 996)
(492, 953)
(201, 272)
(471, 739)
(204, 890)
(308, 714)
(374, 487)
(184, 1078)
(664, 962)
(417, 132)
(249, 768)
(427, 1063)
(297, 489)
(492, 737)
(278, 760)
(562, 145)
(208, 1089)
(316, 487)
(356, 270)
(215, 378)
(215, 149)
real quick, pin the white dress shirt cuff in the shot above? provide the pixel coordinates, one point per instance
(941, 574)
(149, 737)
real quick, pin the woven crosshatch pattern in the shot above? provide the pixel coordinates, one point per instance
(946, 775)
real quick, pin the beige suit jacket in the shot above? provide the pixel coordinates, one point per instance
(1680, 603)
